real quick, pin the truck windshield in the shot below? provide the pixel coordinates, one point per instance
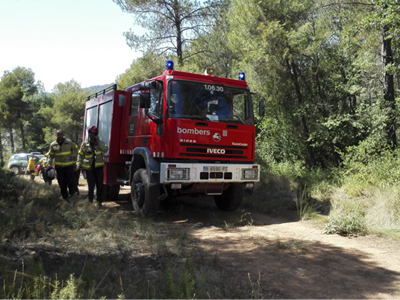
(209, 102)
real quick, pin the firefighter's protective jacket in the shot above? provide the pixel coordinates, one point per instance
(31, 164)
(86, 155)
(64, 155)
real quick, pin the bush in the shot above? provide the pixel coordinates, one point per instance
(346, 224)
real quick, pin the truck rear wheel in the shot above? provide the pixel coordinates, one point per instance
(231, 198)
(144, 195)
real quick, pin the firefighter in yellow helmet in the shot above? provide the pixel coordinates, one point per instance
(31, 166)
(64, 152)
(90, 158)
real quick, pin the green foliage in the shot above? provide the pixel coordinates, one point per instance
(370, 166)
(143, 68)
(351, 223)
(70, 290)
(304, 205)
(25, 286)
(65, 112)
(317, 68)
(276, 142)
(211, 49)
(181, 286)
(367, 198)
(16, 111)
(34, 126)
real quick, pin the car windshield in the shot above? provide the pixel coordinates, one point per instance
(209, 102)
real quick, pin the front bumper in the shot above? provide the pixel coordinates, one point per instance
(208, 173)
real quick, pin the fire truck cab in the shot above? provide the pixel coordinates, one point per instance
(177, 134)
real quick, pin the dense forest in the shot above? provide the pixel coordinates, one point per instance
(328, 70)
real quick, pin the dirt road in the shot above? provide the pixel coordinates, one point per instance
(296, 260)
(290, 258)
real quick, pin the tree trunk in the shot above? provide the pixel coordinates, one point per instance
(353, 107)
(1, 151)
(12, 141)
(179, 51)
(306, 134)
(178, 25)
(22, 137)
(388, 90)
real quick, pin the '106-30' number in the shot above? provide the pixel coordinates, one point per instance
(215, 88)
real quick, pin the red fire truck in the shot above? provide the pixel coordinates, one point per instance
(177, 134)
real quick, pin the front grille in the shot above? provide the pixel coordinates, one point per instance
(204, 150)
(211, 146)
(215, 175)
(200, 150)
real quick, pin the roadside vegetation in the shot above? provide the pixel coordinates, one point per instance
(360, 197)
(51, 249)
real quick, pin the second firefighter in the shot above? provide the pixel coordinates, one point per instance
(90, 159)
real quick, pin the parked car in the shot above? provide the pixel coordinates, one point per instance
(19, 162)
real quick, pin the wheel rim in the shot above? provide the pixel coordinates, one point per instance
(138, 194)
(14, 170)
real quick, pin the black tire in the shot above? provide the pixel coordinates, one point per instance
(231, 198)
(110, 192)
(144, 195)
(15, 170)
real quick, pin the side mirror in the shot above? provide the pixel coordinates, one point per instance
(261, 108)
(148, 85)
(144, 100)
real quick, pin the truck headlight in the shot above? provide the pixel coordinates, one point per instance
(178, 174)
(250, 174)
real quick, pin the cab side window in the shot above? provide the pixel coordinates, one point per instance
(156, 100)
(135, 103)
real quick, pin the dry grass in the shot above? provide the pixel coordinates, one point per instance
(89, 253)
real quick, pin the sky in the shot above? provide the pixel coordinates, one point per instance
(60, 40)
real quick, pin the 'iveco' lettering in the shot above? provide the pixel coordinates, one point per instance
(193, 131)
(216, 151)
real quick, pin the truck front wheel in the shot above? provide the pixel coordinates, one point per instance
(231, 198)
(144, 195)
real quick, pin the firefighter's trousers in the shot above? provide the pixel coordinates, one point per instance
(65, 177)
(94, 178)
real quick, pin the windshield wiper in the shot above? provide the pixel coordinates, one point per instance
(199, 118)
(238, 119)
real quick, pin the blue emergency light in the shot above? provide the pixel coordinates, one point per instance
(169, 65)
(242, 76)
